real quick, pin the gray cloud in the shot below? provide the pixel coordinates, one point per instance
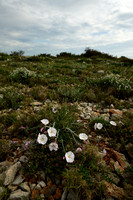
(47, 26)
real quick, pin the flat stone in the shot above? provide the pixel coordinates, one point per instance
(118, 167)
(19, 179)
(38, 187)
(12, 187)
(19, 195)
(25, 186)
(11, 173)
(42, 184)
(36, 103)
(121, 159)
(100, 71)
(5, 163)
(113, 191)
(116, 111)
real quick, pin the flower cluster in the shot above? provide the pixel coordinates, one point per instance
(43, 138)
(53, 146)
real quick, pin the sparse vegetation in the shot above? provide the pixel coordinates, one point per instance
(47, 87)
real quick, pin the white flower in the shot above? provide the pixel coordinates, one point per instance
(45, 121)
(113, 123)
(98, 126)
(53, 146)
(42, 139)
(69, 156)
(52, 132)
(83, 136)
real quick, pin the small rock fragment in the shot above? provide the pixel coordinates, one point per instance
(19, 194)
(11, 172)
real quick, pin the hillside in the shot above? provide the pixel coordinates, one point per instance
(91, 94)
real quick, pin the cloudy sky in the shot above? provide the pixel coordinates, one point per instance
(54, 26)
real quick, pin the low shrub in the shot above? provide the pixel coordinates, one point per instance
(22, 75)
(11, 99)
(118, 86)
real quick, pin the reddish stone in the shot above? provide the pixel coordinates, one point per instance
(57, 194)
(96, 114)
(35, 194)
(115, 111)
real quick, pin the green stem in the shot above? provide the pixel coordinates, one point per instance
(106, 132)
(57, 134)
(63, 145)
(72, 132)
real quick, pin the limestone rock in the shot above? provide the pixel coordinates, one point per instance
(100, 71)
(19, 179)
(38, 187)
(116, 111)
(114, 191)
(11, 172)
(121, 159)
(25, 186)
(42, 184)
(118, 167)
(36, 103)
(19, 194)
(12, 187)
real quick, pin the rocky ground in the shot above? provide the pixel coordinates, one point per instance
(14, 184)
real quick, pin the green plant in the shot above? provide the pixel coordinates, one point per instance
(4, 149)
(4, 56)
(22, 75)
(4, 195)
(86, 175)
(11, 99)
